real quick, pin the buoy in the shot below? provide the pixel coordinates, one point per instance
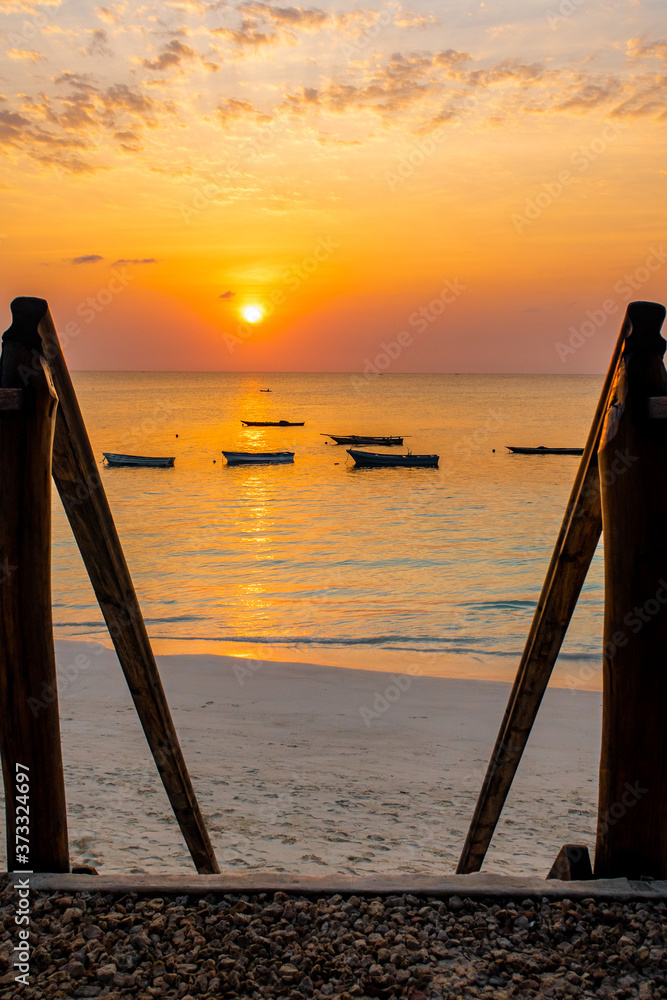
(177, 435)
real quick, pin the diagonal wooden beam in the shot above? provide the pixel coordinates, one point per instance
(78, 481)
(572, 556)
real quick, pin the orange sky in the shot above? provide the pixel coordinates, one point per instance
(469, 189)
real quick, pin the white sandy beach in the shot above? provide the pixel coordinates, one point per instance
(302, 768)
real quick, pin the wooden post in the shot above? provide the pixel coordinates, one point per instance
(632, 816)
(572, 555)
(79, 484)
(29, 722)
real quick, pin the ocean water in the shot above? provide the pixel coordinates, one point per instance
(419, 570)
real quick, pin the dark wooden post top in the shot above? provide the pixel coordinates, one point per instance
(27, 314)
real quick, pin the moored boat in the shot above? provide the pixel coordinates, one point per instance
(144, 461)
(364, 439)
(254, 457)
(544, 451)
(272, 423)
(372, 458)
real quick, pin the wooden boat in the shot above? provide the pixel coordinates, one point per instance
(272, 423)
(545, 451)
(144, 461)
(373, 458)
(254, 457)
(364, 439)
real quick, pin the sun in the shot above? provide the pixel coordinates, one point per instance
(252, 314)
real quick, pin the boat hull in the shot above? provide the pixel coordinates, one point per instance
(271, 423)
(258, 457)
(545, 451)
(387, 442)
(139, 461)
(370, 459)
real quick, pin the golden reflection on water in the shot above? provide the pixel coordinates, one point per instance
(388, 563)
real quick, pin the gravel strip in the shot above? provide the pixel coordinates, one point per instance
(282, 946)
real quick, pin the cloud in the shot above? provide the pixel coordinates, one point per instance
(26, 54)
(232, 109)
(89, 258)
(26, 6)
(639, 49)
(12, 127)
(227, 295)
(293, 17)
(135, 260)
(106, 15)
(81, 116)
(408, 19)
(175, 54)
(172, 55)
(248, 35)
(590, 95)
(265, 24)
(99, 43)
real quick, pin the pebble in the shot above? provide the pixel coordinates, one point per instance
(291, 947)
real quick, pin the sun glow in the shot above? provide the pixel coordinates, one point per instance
(252, 314)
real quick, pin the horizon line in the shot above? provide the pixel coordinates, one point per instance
(227, 371)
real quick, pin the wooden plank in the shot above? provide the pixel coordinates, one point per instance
(32, 766)
(572, 555)
(78, 481)
(657, 407)
(632, 817)
(476, 886)
(11, 399)
(572, 864)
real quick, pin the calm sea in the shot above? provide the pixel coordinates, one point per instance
(433, 570)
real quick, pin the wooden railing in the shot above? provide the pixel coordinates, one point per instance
(42, 433)
(630, 501)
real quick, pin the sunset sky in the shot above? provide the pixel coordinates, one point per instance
(486, 179)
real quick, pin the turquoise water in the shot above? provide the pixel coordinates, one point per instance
(436, 570)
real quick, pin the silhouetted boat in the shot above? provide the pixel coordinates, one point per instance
(265, 390)
(272, 423)
(372, 458)
(364, 439)
(253, 457)
(145, 461)
(545, 451)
